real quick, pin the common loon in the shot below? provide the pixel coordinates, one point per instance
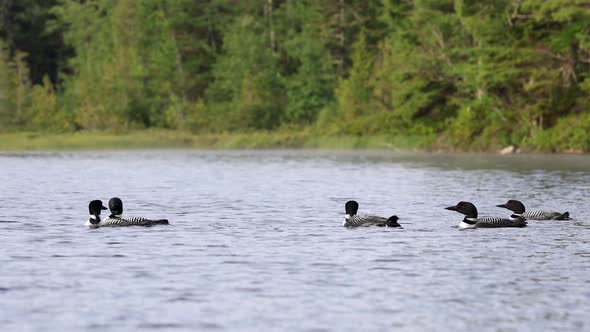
(116, 218)
(472, 221)
(518, 208)
(351, 219)
(94, 208)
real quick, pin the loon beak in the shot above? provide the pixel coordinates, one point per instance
(452, 208)
(103, 208)
(502, 206)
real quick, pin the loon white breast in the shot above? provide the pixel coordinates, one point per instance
(519, 210)
(472, 221)
(92, 222)
(352, 219)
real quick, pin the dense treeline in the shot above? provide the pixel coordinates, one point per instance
(452, 73)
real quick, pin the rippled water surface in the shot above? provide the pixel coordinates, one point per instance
(256, 243)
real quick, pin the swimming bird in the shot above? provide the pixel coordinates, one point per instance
(518, 208)
(94, 208)
(472, 221)
(351, 219)
(116, 218)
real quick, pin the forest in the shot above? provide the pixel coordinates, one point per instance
(448, 74)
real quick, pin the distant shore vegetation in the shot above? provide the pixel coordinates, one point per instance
(461, 75)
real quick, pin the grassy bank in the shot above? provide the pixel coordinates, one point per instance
(163, 139)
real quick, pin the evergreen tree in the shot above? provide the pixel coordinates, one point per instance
(198, 27)
(354, 92)
(26, 25)
(309, 75)
(126, 69)
(248, 91)
(474, 74)
(6, 88)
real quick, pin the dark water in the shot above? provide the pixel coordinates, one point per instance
(256, 243)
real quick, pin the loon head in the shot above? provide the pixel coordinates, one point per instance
(514, 206)
(94, 208)
(392, 222)
(466, 208)
(116, 206)
(351, 208)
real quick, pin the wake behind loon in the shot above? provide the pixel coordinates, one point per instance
(351, 219)
(116, 218)
(518, 208)
(472, 221)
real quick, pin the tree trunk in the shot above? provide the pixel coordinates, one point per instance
(268, 12)
(341, 36)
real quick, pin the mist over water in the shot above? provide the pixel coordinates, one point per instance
(256, 242)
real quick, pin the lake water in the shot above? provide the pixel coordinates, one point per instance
(256, 243)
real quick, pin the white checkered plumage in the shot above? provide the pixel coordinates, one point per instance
(117, 221)
(543, 215)
(360, 220)
(492, 222)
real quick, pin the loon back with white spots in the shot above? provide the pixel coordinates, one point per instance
(472, 221)
(352, 219)
(120, 221)
(519, 210)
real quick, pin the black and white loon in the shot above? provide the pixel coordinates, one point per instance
(95, 207)
(351, 219)
(472, 221)
(518, 208)
(116, 218)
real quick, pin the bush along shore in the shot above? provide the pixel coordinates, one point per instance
(174, 139)
(169, 139)
(437, 75)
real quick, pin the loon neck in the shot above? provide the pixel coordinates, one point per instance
(116, 216)
(470, 221)
(94, 219)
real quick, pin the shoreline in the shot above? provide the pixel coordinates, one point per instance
(151, 139)
(171, 139)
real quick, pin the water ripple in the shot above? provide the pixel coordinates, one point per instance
(256, 243)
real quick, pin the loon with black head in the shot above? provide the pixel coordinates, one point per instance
(519, 211)
(352, 219)
(472, 221)
(116, 218)
(95, 207)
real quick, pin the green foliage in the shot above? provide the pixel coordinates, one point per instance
(44, 105)
(248, 91)
(478, 75)
(411, 83)
(571, 133)
(15, 89)
(163, 80)
(310, 80)
(121, 79)
(97, 92)
(197, 27)
(354, 92)
(6, 88)
(26, 26)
